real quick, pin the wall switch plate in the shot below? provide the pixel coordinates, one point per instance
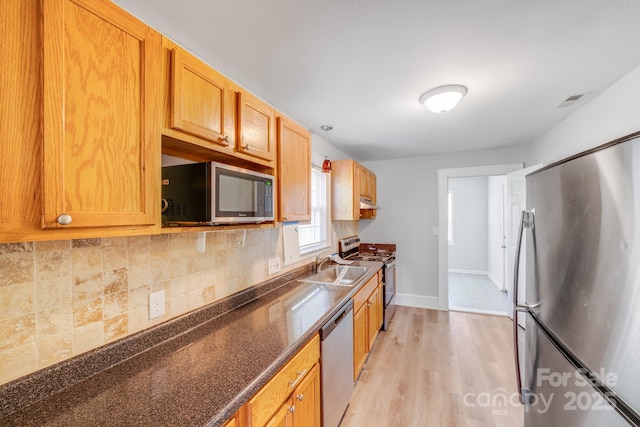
(157, 304)
(274, 265)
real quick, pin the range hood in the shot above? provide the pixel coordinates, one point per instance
(367, 203)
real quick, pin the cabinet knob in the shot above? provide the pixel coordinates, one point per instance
(225, 139)
(64, 219)
(292, 408)
(246, 147)
(284, 218)
(300, 397)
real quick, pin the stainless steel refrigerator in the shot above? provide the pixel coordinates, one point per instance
(582, 338)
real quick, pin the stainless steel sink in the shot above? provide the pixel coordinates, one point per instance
(329, 275)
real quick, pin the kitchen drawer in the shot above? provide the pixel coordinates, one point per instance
(271, 397)
(363, 294)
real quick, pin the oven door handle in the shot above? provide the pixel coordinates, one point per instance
(391, 264)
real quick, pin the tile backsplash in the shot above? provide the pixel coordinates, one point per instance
(62, 298)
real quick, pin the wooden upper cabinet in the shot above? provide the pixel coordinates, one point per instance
(101, 158)
(294, 171)
(364, 181)
(256, 127)
(345, 183)
(21, 112)
(201, 101)
(368, 191)
(350, 181)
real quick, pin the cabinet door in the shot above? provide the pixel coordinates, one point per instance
(373, 323)
(306, 400)
(373, 194)
(294, 171)
(20, 126)
(371, 183)
(256, 126)
(201, 100)
(364, 182)
(231, 423)
(101, 152)
(360, 340)
(357, 177)
(283, 417)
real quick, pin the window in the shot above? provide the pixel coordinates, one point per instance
(450, 217)
(314, 235)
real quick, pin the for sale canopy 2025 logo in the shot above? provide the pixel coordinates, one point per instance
(563, 386)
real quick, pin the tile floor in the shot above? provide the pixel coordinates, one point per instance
(476, 293)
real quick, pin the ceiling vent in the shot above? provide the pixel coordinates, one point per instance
(570, 100)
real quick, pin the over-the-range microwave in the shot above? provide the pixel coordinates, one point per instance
(212, 193)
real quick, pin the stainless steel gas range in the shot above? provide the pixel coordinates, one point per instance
(352, 249)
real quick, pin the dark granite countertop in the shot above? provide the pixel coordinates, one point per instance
(202, 376)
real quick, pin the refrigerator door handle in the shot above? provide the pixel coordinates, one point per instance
(526, 221)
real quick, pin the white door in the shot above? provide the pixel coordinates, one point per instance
(516, 202)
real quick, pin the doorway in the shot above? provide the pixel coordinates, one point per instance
(443, 242)
(476, 235)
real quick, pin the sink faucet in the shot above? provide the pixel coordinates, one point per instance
(320, 261)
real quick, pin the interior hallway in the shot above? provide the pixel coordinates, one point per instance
(476, 293)
(437, 368)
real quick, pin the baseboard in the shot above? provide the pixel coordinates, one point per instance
(478, 311)
(460, 271)
(419, 301)
(495, 282)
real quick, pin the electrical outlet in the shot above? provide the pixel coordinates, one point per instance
(274, 265)
(157, 305)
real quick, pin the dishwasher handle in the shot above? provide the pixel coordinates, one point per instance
(335, 320)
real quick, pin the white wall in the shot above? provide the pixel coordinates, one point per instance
(495, 252)
(470, 220)
(612, 114)
(408, 196)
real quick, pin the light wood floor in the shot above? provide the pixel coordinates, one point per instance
(438, 368)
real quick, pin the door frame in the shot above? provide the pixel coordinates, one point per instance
(443, 188)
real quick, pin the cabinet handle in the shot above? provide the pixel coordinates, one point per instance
(64, 219)
(225, 139)
(300, 397)
(292, 408)
(298, 378)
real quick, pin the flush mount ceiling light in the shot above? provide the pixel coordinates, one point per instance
(443, 98)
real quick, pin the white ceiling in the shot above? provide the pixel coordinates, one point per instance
(360, 65)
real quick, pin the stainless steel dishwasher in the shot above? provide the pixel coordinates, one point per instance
(337, 365)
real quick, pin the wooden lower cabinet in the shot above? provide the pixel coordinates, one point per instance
(232, 422)
(282, 418)
(367, 321)
(302, 409)
(292, 396)
(375, 315)
(360, 347)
